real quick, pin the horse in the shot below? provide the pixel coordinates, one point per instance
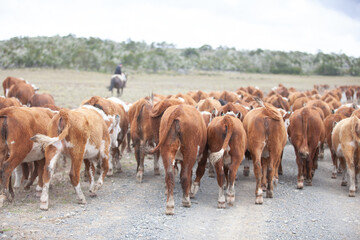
(118, 81)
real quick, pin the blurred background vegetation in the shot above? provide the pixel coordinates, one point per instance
(94, 54)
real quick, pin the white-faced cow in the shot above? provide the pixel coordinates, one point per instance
(78, 134)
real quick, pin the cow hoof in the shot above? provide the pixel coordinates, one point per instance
(321, 155)
(110, 172)
(308, 183)
(2, 200)
(38, 194)
(333, 175)
(280, 172)
(92, 194)
(156, 171)
(339, 171)
(344, 183)
(351, 193)
(300, 185)
(170, 210)
(44, 205)
(211, 174)
(269, 194)
(139, 176)
(259, 200)
(221, 204)
(194, 189)
(186, 203)
(82, 201)
(246, 172)
(230, 200)
(263, 187)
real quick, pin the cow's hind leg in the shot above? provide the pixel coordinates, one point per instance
(200, 170)
(220, 176)
(232, 168)
(169, 180)
(75, 176)
(51, 156)
(104, 163)
(185, 178)
(256, 157)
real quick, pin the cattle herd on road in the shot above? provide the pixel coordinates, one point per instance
(222, 127)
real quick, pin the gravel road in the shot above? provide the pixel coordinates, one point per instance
(125, 209)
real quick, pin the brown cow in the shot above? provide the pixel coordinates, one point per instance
(266, 134)
(229, 96)
(21, 91)
(9, 81)
(306, 133)
(320, 104)
(329, 123)
(142, 135)
(346, 110)
(198, 95)
(300, 102)
(295, 95)
(279, 101)
(117, 137)
(8, 102)
(182, 136)
(40, 100)
(345, 143)
(78, 134)
(185, 98)
(18, 125)
(210, 105)
(226, 140)
(236, 109)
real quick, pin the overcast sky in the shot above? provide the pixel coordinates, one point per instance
(332, 26)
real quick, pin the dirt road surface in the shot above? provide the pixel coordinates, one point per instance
(125, 209)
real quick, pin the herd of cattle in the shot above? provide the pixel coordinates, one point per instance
(222, 127)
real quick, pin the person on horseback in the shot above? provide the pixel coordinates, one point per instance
(118, 69)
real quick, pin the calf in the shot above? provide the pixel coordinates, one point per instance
(226, 140)
(18, 124)
(119, 132)
(182, 136)
(346, 144)
(267, 137)
(78, 134)
(329, 124)
(306, 132)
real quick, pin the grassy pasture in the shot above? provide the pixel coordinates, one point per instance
(70, 87)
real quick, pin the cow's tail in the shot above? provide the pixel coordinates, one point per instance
(4, 134)
(304, 148)
(229, 128)
(164, 133)
(270, 110)
(46, 140)
(355, 128)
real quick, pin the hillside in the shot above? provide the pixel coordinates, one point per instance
(94, 54)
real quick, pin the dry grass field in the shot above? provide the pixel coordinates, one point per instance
(70, 87)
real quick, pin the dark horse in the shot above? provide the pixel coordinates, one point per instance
(119, 82)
